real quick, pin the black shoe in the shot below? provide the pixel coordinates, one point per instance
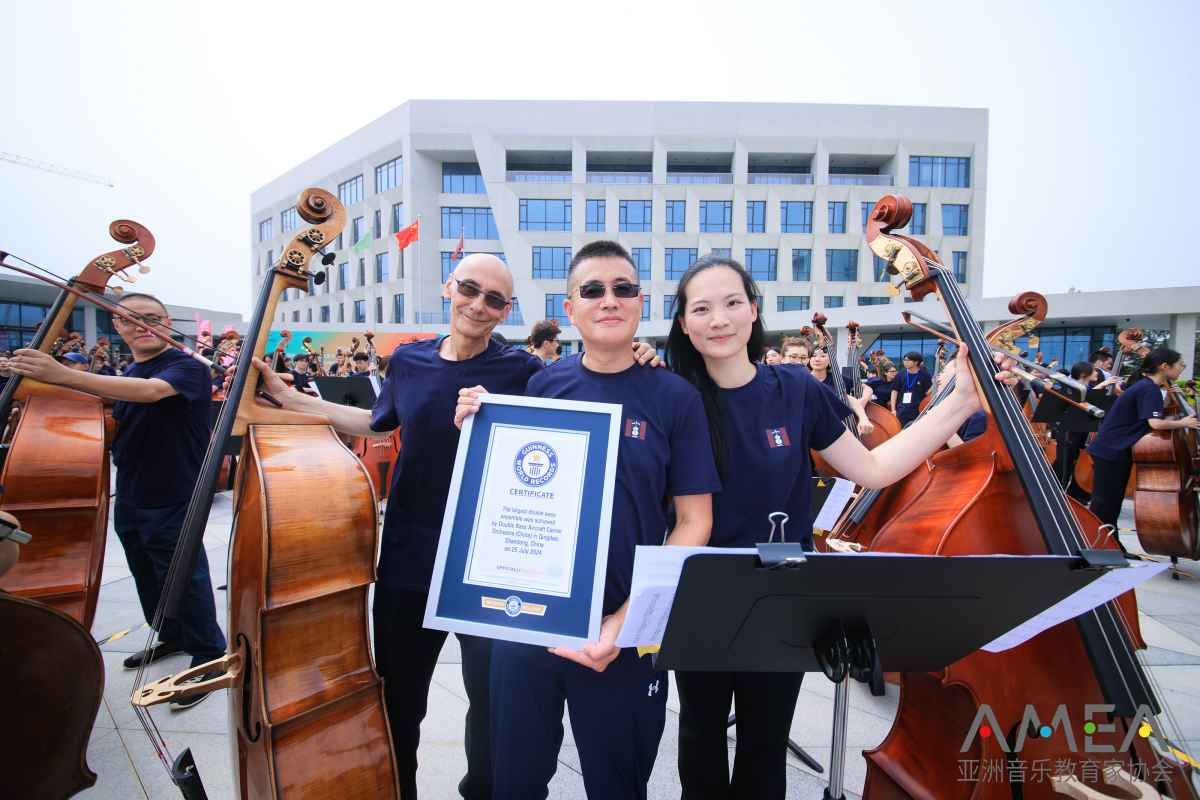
(156, 653)
(195, 699)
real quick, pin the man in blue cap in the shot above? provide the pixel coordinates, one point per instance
(75, 361)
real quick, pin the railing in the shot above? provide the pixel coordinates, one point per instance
(620, 177)
(699, 177)
(536, 176)
(435, 318)
(860, 180)
(777, 179)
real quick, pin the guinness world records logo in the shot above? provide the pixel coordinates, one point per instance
(536, 464)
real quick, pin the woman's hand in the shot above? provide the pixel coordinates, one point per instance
(468, 403)
(964, 382)
(597, 655)
(865, 425)
(646, 355)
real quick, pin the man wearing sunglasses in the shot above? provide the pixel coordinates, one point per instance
(617, 701)
(163, 411)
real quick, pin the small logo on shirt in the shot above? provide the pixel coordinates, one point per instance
(512, 606)
(536, 464)
(777, 437)
(653, 689)
(635, 428)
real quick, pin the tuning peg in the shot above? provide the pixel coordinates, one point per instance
(143, 269)
(117, 290)
(328, 258)
(1034, 341)
(894, 291)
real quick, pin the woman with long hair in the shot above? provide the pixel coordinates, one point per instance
(818, 365)
(1137, 411)
(762, 420)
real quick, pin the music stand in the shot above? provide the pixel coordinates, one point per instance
(357, 392)
(1052, 409)
(856, 615)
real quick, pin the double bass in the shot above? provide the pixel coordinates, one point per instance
(1130, 341)
(998, 495)
(56, 471)
(377, 455)
(1164, 505)
(306, 712)
(886, 424)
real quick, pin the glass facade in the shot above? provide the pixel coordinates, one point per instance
(834, 302)
(462, 179)
(716, 216)
(545, 215)
(676, 260)
(378, 224)
(791, 303)
(645, 307)
(880, 267)
(289, 220)
(324, 313)
(343, 276)
(939, 171)
(266, 229)
(837, 217)
(676, 211)
(551, 262)
(841, 265)
(360, 311)
(397, 217)
(802, 265)
(917, 224)
(954, 220)
(635, 216)
(362, 272)
(720, 251)
(18, 324)
(388, 176)
(477, 222)
(874, 301)
(398, 309)
(448, 265)
(756, 216)
(895, 345)
(795, 217)
(514, 314)
(960, 266)
(761, 264)
(351, 191)
(641, 259)
(378, 310)
(357, 229)
(381, 269)
(595, 215)
(554, 309)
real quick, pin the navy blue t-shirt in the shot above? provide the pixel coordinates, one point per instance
(299, 379)
(974, 427)
(1126, 422)
(847, 384)
(882, 388)
(158, 447)
(367, 374)
(664, 450)
(419, 395)
(918, 385)
(106, 370)
(771, 423)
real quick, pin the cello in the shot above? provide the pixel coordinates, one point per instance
(377, 455)
(1130, 341)
(56, 471)
(886, 424)
(997, 494)
(306, 713)
(1164, 505)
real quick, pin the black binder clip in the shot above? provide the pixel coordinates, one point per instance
(1102, 558)
(782, 555)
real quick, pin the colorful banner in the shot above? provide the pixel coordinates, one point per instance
(385, 343)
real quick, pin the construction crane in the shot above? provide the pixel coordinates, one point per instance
(20, 161)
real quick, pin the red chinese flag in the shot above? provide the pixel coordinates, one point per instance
(407, 236)
(458, 249)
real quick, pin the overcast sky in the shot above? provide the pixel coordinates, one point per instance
(190, 107)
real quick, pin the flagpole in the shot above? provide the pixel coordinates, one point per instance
(420, 252)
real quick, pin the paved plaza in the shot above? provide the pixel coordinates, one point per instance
(121, 754)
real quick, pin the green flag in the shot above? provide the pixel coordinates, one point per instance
(363, 243)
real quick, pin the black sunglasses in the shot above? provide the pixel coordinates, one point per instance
(472, 291)
(622, 291)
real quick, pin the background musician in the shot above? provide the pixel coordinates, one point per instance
(362, 363)
(299, 372)
(163, 409)
(543, 341)
(796, 351)
(909, 388)
(77, 361)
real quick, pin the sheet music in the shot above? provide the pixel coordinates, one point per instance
(835, 504)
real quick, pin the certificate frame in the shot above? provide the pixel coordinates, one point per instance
(525, 615)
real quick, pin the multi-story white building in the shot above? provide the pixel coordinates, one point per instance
(784, 188)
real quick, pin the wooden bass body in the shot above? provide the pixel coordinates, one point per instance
(56, 480)
(307, 719)
(380, 457)
(1164, 503)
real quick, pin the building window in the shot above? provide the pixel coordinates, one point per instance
(834, 302)
(324, 313)
(761, 264)
(448, 264)
(554, 309)
(595, 215)
(917, 224)
(398, 309)
(357, 229)
(312, 287)
(668, 307)
(866, 211)
(676, 261)
(341, 312)
(310, 315)
(880, 267)
(389, 175)
(635, 216)
(676, 210)
(338, 244)
(545, 215)
(837, 217)
(397, 217)
(874, 301)
(19, 324)
(362, 272)
(716, 216)
(954, 220)
(381, 269)
(514, 313)
(328, 281)
(295, 316)
(343, 281)
(756, 216)
(841, 265)
(270, 258)
(288, 220)
(939, 171)
(462, 179)
(477, 222)
(791, 304)
(551, 262)
(645, 307)
(641, 260)
(802, 265)
(445, 311)
(795, 217)
(266, 229)
(378, 224)
(350, 192)
(720, 251)
(960, 266)
(378, 310)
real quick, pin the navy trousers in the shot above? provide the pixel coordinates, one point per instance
(617, 726)
(405, 655)
(766, 702)
(149, 536)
